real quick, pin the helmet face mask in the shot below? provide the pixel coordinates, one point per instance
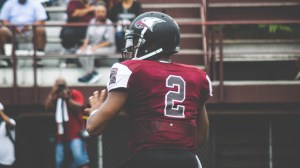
(132, 44)
(151, 35)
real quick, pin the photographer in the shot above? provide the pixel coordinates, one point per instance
(68, 105)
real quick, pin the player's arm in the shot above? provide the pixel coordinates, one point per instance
(103, 108)
(83, 12)
(202, 125)
(6, 119)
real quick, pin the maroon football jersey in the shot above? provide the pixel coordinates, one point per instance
(162, 103)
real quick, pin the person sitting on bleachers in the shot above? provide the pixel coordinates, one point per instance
(123, 13)
(78, 11)
(99, 40)
(23, 14)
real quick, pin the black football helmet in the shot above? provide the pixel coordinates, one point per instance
(151, 35)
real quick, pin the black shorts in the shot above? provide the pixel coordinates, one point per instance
(162, 158)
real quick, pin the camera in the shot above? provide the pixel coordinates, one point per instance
(61, 88)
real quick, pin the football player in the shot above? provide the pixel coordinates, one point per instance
(165, 100)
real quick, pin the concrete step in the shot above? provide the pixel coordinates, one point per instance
(261, 82)
(259, 70)
(188, 41)
(47, 75)
(150, 5)
(260, 50)
(191, 41)
(176, 10)
(51, 70)
(170, 5)
(168, 1)
(185, 10)
(191, 37)
(189, 56)
(261, 41)
(61, 15)
(53, 32)
(253, 13)
(250, 3)
(187, 25)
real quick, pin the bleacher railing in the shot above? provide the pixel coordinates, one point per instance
(213, 47)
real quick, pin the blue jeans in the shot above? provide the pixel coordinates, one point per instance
(76, 154)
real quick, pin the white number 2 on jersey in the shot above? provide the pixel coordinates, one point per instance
(172, 110)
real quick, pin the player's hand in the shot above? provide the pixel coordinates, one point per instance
(96, 100)
(8, 121)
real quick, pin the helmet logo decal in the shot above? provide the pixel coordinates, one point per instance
(148, 22)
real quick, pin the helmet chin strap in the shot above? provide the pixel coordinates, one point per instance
(149, 55)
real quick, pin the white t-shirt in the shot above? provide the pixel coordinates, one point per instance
(98, 34)
(7, 148)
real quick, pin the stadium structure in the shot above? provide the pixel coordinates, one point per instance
(249, 48)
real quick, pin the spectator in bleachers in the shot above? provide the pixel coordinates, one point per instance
(123, 13)
(7, 140)
(110, 3)
(99, 40)
(78, 11)
(23, 13)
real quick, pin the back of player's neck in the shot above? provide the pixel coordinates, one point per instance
(164, 60)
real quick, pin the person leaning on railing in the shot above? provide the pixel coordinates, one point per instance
(23, 14)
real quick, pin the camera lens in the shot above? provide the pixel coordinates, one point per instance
(61, 87)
